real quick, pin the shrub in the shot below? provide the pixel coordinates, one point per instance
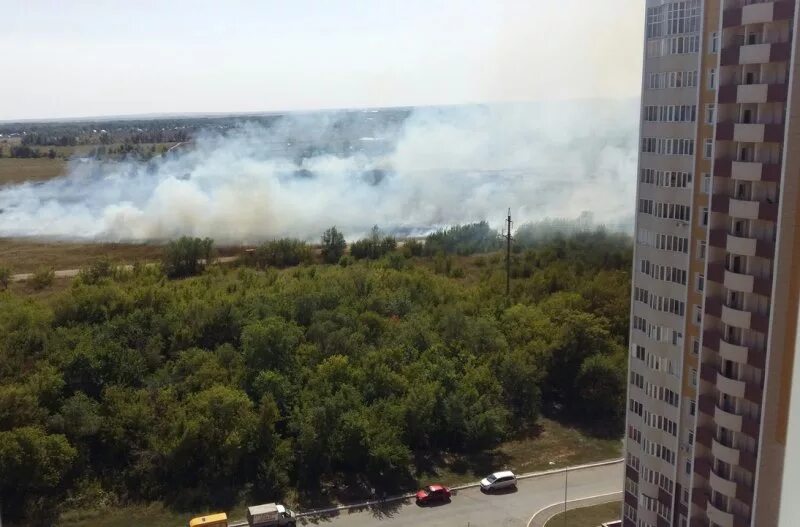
(413, 247)
(42, 279)
(5, 277)
(285, 252)
(374, 247)
(187, 256)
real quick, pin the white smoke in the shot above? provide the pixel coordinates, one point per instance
(444, 166)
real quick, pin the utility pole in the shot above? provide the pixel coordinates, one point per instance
(566, 475)
(508, 255)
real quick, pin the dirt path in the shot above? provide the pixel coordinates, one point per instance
(72, 273)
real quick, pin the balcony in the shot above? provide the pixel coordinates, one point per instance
(757, 13)
(731, 386)
(741, 354)
(747, 209)
(724, 519)
(752, 93)
(741, 318)
(736, 422)
(748, 246)
(750, 132)
(755, 54)
(747, 283)
(712, 339)
(747, 171)
(721, 484)
(733, 456)
(725, 453)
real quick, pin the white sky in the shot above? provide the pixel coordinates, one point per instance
(74, 58)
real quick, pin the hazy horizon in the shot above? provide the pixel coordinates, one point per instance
(93, 59)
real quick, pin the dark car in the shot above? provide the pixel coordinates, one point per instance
(433, 493)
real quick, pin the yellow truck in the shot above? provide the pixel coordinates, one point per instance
(210, 520)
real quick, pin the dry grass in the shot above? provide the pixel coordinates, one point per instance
(550, 442)
(21, 170)
(27, 256)
(588, 516)
(13, 170)
(154, 514)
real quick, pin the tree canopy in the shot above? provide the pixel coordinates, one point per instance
(245, 378)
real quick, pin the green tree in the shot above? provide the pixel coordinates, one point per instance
(33, 470)
(5, 278)
(42, 279)
(186, 256)
(333, 245)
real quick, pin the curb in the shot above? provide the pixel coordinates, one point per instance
(576, 504)
(402, 497)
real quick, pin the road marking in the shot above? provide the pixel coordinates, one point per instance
(571, 501)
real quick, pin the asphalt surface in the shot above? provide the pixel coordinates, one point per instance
(472, 508)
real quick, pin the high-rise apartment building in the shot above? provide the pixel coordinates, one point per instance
(716, 275)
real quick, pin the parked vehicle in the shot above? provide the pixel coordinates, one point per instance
(269, 515)
(433, 493)
(219, 519)
(499, 480)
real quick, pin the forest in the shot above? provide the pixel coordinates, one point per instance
(197, 385)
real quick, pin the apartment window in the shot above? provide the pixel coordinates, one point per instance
(712, 79)
(691, 432)
(685, 496)
(698, 315)
(710, 113)
(703, 219)
(714, 43)
(708, 148)
(692, 407)
(701, 250)
(695, 346)
(688, 467)
(706, 185)
(682, 521)
(694, 381)
(700, 283)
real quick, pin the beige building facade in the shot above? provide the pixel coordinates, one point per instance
(716, 264)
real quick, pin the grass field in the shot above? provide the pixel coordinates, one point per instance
(27, 256)
(13, 170)
(549, 442)
(21, 170)
(588, 516)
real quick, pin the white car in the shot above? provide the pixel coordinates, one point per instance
(499, 480)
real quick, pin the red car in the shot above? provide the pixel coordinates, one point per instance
(433, 493)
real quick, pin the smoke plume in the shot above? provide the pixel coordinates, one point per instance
(304, 173)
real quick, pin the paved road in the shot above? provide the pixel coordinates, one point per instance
(472, 508)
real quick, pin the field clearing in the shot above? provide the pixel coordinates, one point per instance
(20, 170)
(549, 442)
(28, 256)
(13, 170)
(588, 516)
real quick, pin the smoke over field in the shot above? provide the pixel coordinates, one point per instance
(301, 174)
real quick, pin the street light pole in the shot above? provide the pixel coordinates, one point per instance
(566, 476)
